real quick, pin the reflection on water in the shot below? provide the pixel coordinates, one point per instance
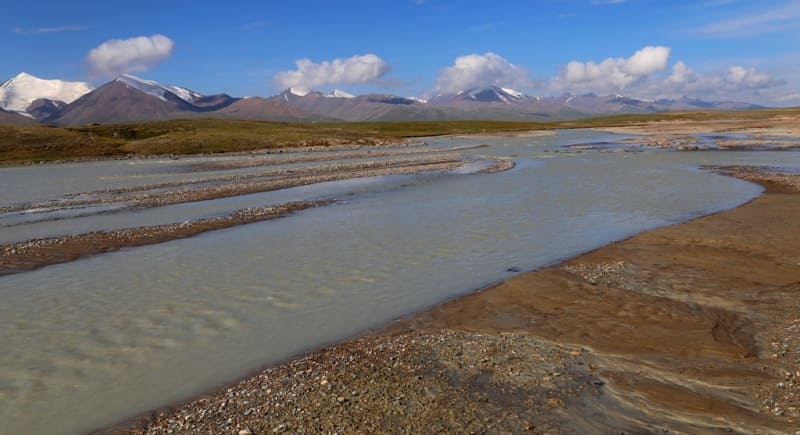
(87, 343)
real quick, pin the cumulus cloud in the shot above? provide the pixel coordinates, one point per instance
(747, 82)
(477, 70)
(121, 56)
(645, 74)
(613, 74)
(354, 70)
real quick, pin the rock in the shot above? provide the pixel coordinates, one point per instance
(341, 399)
(513, 269)
(245, 432)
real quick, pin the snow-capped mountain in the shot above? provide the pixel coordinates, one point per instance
(493, 94)
(132, 99)
(292, 94)
(338, 93)
(158, 90)
(487, 94)
(418, 100)
(593, 104)
(18, 93)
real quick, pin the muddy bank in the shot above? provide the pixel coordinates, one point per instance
(691, 328)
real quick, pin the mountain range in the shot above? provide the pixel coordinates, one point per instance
(26, 99)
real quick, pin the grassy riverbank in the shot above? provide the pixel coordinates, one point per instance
(25, 144)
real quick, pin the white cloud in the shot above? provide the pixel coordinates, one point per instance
(734, 82)
(613, 74)
(121, 56)
(647, 61)
(645, 75)
(476, 70)
(786, 16)
(354, 70)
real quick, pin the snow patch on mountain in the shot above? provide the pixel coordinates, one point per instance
(338, 93)
(494, 94)
(19, 92)
(514, 93)
(298, 92)
(151, 87)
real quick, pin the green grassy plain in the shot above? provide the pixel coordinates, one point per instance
(25, 144)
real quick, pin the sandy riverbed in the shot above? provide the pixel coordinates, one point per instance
(775, 133)
(691, 328)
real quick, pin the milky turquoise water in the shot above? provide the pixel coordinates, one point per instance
(88, 343)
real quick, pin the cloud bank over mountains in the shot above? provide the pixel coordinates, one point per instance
(480, 70)
(612, 74)
(125, 56)
(359, 69)
(646, 73)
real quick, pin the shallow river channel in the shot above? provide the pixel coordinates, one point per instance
(89, 343)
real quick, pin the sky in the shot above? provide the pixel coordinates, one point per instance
(743, 50)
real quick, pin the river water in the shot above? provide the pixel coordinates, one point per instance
(88, 343)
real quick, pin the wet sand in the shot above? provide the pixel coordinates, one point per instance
(693, 328)
(770, 134)
(777, 125)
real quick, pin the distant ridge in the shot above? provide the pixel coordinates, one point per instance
(257, 108)
(131, 99)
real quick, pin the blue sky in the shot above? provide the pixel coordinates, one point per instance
(717, 49)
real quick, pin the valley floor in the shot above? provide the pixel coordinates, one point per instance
(690, 328)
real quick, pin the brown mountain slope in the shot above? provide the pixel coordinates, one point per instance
(257, 108)
(12, 118)
(117, 102)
